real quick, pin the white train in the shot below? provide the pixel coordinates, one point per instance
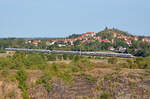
(103, 54)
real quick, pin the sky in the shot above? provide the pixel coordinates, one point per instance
(61, 18)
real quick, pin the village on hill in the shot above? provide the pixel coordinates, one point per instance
(112, 40)
(108, 40)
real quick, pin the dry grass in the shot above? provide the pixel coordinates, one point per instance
(3, 55)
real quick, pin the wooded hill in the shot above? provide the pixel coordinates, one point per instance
(106, 40)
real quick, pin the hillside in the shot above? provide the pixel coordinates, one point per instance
(110, 84)
(50, 76)
(107, 40)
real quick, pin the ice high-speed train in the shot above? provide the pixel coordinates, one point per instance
(103, 54)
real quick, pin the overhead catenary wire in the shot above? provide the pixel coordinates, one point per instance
(86, 53)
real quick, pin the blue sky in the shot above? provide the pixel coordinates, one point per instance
(60, 18)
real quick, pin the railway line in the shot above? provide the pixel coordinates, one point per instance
(103, 54)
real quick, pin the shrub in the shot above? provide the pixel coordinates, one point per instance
(59, 57)
(70, 57)
(90, 78)
(82, 64)
(132, 84)
(46, 81)
(76, 58)
(5, 62)
(106, 95)
(66, 76)
(5, 72)
(75, 69)
(2, 51)
(55, 67)
(107, 77)
(34, 61)
(113, 60)
(22, 77)
(65, 56)
(131, 64)
(51, 57)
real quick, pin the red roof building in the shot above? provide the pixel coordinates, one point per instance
(47, 43)
(111, 48)
(128, 42)
(98, 38)
(146, 40)
(36, 42)
(106, 41)
(89, 34)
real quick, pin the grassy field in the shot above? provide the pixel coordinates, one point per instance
(3, 54)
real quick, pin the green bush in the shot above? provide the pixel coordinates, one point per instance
(70, 57)
(34, 61)
(90, 78)
(5, 62)
(82, 64)
(65, 56)
(107, 77)
(59, 57)
(106, 95)
(76, 58)
(2, 51)
(113, 60)
(55, 67)
(75, 69)
(5, 72)
(66, 76)
(22, 77)
(46, 81)
(130, 63)
(51, 57)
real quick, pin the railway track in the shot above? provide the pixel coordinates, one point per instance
(103, 54)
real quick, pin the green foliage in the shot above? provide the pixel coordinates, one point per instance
(61, 71)
(51, 57)
(21, 59)
(106, 95)
(131, 64)
(90, 78)
(55, 67)
(74, 35)
(5, 62)
(82, 63)
(120, 42)
(34, 61)
(59, 57)
(107, 77)
(113, 60)
(132, 84)
(139, 62)
(75, 69)
(46, 81)
(70, 57)
(5, 73)
(76, 58)
(143, 48)
(2, 51)
(118, 69)
(22, 77)
(66, 76)
(65, 56)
